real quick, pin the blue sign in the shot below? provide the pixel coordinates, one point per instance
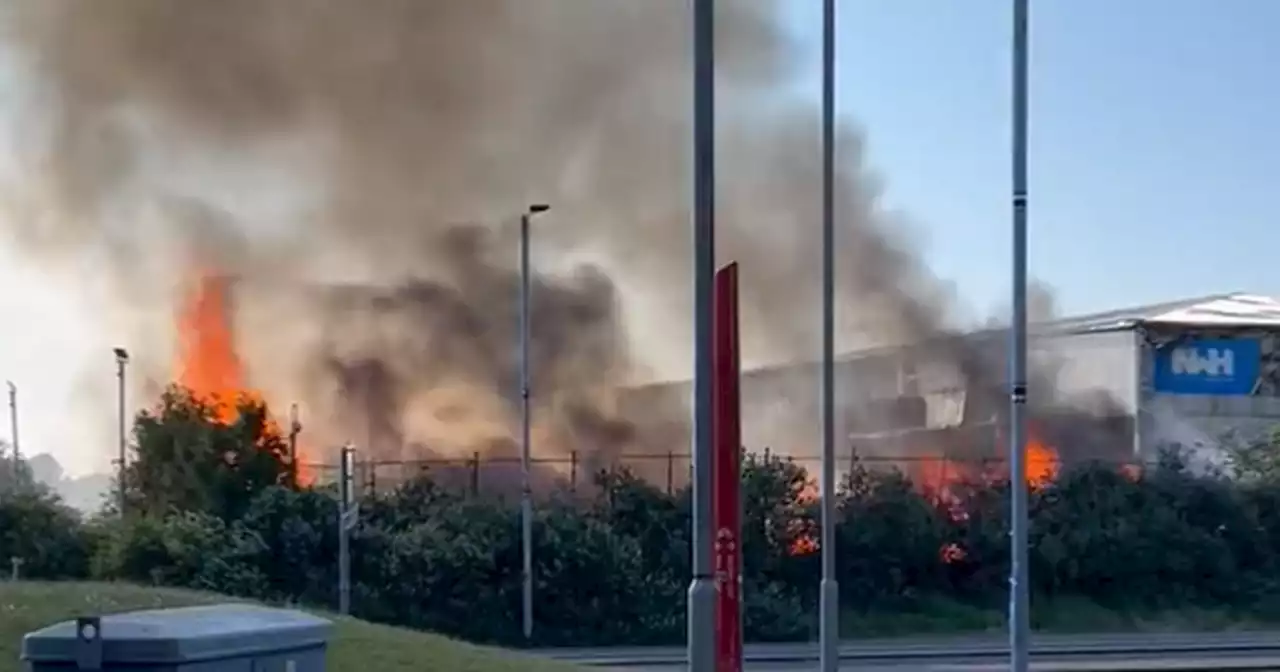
(1219, 367)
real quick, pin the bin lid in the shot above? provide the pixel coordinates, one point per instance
(172, 636)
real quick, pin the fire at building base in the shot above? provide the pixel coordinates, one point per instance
(1114, 387)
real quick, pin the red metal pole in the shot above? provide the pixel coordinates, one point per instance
(727, 472)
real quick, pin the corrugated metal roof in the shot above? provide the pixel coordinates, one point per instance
(1237, 309)
(1218, 310)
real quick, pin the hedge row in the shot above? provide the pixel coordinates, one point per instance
(613, 567)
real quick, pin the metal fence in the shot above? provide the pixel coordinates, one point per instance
(671, 471)
(479, 473)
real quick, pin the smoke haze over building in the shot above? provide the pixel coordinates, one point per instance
(357, 169)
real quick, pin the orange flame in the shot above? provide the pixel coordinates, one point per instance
(208, 365)
(938, 477)
(806, 541)
(1042, 463)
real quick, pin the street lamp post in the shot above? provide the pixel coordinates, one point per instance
(700, 638)
(829, 591)
(348, 515)
(13, 419)
(295, 428)
(122, 359)
(13, 429)
(1019, 590)
(526, 459)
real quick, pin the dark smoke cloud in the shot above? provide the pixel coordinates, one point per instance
(409, 133)
(460, 330)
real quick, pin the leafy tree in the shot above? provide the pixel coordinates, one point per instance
(15, 473)
(42, 535)
(186, 459)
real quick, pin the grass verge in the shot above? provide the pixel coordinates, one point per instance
(941, 616)
(357, 646)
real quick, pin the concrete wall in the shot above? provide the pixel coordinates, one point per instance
(1090, 369)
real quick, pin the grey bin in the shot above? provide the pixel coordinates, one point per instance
(217, 638)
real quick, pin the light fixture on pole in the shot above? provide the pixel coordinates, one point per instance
(122, 359)
(829, 590)
(526, 456)
(1019, 589)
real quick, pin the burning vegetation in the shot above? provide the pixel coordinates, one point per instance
(209, 367)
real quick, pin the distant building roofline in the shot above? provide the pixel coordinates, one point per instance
(1226, 310)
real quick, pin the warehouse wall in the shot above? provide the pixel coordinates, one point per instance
(1200, 422)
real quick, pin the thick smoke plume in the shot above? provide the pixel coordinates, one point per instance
(358, 167)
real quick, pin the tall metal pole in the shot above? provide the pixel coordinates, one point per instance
(122, 359)
(13, 422)
(347, 512)
(702, 589)
(526, 486)
(295, 428)
(829, 589)
(1019, 589)
(15, 459)
(526, 447)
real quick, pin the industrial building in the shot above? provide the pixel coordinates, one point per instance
(1198, 370)
(1116, 385)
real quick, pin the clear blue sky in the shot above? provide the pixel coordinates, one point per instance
(1155, 143)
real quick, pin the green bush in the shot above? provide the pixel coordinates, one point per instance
(187, 549)
(611, 565)
(43, 534)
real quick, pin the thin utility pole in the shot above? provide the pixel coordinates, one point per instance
(702, 588)
(1019, 590)
(13, 429)
(13, 420)
(122, 361)
(348, 513)
(829, 588)
(526, 420)
(295, 428)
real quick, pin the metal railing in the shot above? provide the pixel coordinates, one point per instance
(670, 471)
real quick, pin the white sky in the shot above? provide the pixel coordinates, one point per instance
(54, 345)
(47, 341)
